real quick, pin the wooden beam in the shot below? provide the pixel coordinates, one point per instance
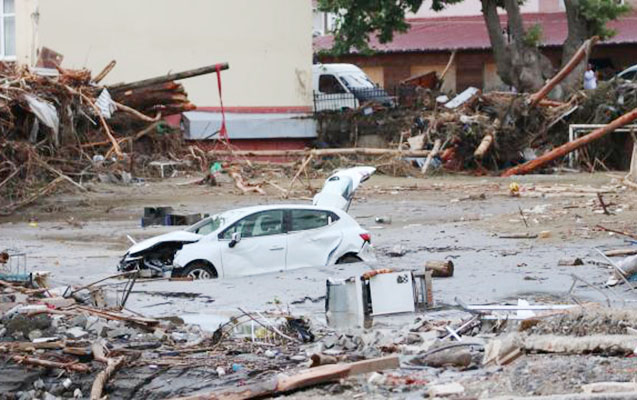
(568, 147)
(168, 77)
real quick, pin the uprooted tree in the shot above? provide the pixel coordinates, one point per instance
(519, 61)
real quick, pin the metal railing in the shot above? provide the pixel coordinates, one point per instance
(344, 101)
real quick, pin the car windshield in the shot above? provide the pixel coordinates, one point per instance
(357, 81)
(206, 225)
(214, 222)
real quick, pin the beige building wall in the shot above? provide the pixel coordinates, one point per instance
(449, 84)
(268, 44)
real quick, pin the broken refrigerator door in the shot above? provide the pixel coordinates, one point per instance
(340, 187)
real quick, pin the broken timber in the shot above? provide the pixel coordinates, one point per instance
(568, 147)
(168, 77)
(584, 49)
(306, 378)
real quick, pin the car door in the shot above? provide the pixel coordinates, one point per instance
(262, 247)
(313, 235)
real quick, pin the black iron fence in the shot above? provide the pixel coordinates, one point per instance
(344, 101)
(407, 96)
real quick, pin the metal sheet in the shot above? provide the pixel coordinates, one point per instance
(199, 125)
(392, 293)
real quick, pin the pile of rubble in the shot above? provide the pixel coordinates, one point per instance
(67, 342)
(61, 126)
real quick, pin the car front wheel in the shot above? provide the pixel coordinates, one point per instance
(198, 270)
(349, 259)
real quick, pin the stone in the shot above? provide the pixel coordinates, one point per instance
(22, 323)
(447, 389)
(99, 328)
(330, 341)
(90, 321)
(48, 396)
(38, 384)
(120, 332)
(270, 354)
(77, 394)
(67, 383)
(413, 338)
(159, 334)
(298, 358)
(76, 333)
(78, 320)
(34, 334)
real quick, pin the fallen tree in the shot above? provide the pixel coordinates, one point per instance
(563, 150)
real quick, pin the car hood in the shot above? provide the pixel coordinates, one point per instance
(177, 236)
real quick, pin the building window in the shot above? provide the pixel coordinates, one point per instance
(7, 27)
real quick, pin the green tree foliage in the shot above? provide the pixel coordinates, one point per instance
(356, 20)
(598, 12)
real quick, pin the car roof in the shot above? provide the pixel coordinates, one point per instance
(332, 68)
(253, 209)
(629, 69)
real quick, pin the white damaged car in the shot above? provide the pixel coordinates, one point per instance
(261, 239)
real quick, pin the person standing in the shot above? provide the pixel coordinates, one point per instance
(590, 80)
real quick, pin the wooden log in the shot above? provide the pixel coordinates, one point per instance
(484, 146)
(431, 155)
(460, 358)
(112, 365)
(146, 322)
(30, 346)
(440, 269)
(107, 130)
(629, 251)
(306, 378)
(104, 72)
(632, 174)
(604, 344)
(136, 113)
(70, 366)
(568, 147)
(319, 152)
(452, 59)
(322, 359)
(563, 73)
(169, 77)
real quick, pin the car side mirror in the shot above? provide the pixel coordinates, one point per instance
(236, 238)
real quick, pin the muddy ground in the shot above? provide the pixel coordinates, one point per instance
(81, 237)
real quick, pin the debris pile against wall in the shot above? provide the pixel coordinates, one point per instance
(490, 131)
(61, 126)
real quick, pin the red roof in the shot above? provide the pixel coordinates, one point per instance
(434, 34)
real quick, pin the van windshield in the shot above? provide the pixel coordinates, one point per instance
(357, 81)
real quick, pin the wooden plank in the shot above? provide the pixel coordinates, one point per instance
(168, 77)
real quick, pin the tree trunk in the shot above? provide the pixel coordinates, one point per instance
(501, 52)
(578, 33)
(519, 64)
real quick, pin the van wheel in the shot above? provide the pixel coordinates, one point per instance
(349, 259)
(198, 270)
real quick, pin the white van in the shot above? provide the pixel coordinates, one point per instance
(344, 86)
